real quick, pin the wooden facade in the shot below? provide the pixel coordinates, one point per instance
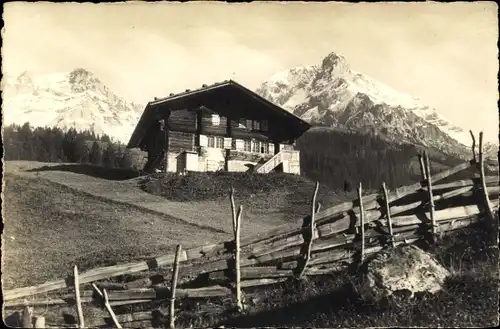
(204, 138)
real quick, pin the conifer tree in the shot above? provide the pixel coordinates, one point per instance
(108, 156)
(95, 156)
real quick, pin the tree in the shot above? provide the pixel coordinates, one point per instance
(81, 149)
(108, 156)
(95, 156)
(123, 158)
(69, 145)
(25, 138)
(54, 145)
(105, 138)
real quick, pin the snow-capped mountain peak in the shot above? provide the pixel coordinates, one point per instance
(332, 93)
(76, 99)
(335, 65)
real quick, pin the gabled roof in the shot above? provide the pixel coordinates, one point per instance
(229, 99)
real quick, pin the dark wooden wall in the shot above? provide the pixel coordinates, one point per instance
(187, 121)
(180, 141)
(154, 140)
(182, 120)
(209, 128)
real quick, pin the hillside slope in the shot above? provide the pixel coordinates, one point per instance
(333, 155)
(263, 210)
(48, 228)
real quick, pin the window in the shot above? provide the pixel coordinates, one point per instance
(256, 125)
(162, 124)
(247, 146)
(233, 144)
(249, 124)
(255, 146)
(265, 147)
(219, 143)
(242, 123)
(215, 120)
(211, 141)
(263, 125)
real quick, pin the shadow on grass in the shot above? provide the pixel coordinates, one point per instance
(13, 320)
(469, 297)
(465, 301)
(92, 170)
(297, 313)
(474, 248)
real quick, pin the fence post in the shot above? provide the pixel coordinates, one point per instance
(79, 310)
(362, 219)
(473, 146)
(233, 208)
(388, 213)
(39, 322)
(104, 296)
(308, 238)
(173, 287)
(27, 317)
(237, 229)
(431, 196)
(422, 168)
(486, 197)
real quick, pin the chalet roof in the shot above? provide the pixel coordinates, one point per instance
(229, 99)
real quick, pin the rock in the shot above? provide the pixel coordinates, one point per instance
(405, 267)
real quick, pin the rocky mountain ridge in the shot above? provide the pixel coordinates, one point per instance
(77, 99)
(333, 94)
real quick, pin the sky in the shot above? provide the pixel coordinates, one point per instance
(443, 53)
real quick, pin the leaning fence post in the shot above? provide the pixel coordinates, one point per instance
(486, 197)
(388, 213)
(431, 196)
(233, 208)
(79, 310)
(473, 146)
(362, 219)
(27, 317)
(308, 239)
(422, 168)
(237, 229)
(173, 287)
(104, 296)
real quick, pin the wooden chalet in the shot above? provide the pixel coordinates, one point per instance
(224, 126)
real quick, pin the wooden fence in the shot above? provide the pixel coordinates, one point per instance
(326, 241)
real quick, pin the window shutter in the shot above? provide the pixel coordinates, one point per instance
(215, 120)
(203, 140)
(247, 146)
(211, 141)
(228, 143)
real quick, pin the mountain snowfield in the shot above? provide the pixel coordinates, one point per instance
(333, 94)
(76, 99)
